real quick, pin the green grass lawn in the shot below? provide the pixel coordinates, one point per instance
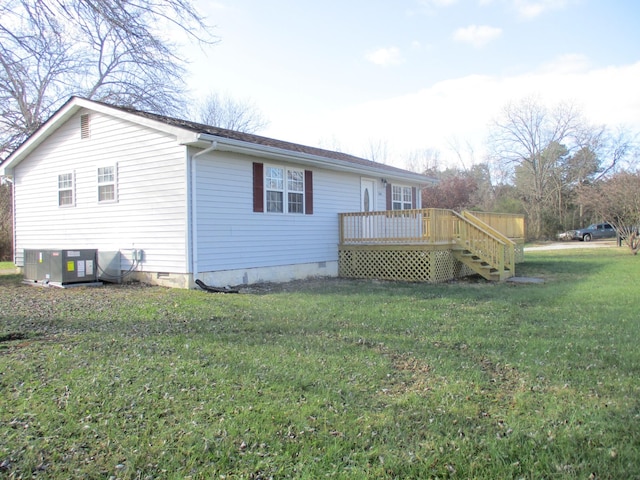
(331, 379)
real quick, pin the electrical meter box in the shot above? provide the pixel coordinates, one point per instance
(61, 267)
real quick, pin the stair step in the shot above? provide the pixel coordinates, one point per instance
(480, 266)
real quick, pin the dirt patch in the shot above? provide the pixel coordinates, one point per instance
(310, 284)
(12, 336)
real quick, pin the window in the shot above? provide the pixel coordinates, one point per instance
(274, 186)
(295, 191)
(402, 198)
(281, 184)
(285, 190)
(65, 190)
(107, 184)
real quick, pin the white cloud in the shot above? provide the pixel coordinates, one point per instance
(438, 3)
(568, 63)
(477, 35)
(385, 56)
(430, 7)
(463, 108)
(529, 9)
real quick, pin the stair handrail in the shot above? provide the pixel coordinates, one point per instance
(510, 245)
(485, 226)
(498, 260)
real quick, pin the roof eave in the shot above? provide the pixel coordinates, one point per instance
(281, 154)
(53, 123)
(68, 110)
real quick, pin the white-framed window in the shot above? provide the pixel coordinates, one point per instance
(284, 189)
(66, 190)
(107, 181)
(274, 189)
(295, 191)
(402, 198)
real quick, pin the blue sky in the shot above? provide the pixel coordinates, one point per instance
(406, 76)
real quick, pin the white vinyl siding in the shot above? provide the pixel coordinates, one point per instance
(150, 212)
(231, 236)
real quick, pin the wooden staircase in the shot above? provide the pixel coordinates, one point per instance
(478, 265)
(483, 249)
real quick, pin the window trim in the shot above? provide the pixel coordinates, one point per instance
(71, 188)
(293, 181)
(403, 203)
(389, 195)
(286, 190)
(282, 190)
(113, 182)
(259, 194)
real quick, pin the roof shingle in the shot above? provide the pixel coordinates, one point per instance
(259, 140)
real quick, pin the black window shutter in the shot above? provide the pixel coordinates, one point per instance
(308, 192)
(414, 199)
(258, 187)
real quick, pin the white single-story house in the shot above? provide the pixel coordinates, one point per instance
(183, 201)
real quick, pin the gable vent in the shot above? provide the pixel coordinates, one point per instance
(85, 132)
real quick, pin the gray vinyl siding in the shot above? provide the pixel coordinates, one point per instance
(150, 210)
(232, 236)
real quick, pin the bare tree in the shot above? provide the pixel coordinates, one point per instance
(226, 112)
(106, 50)
(530, 139)
(617, 201)
(426, 161)
(331, 143)
(6, 222)
(484, 196)
(550, 155)
(377, 151)
(465, 153)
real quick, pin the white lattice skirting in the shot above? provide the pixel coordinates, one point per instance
(396, 262)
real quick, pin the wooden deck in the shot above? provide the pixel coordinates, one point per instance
(432, 245)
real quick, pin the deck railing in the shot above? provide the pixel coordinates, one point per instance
(510, 225)
(427, 225)
(436, 226)
(430, 225)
